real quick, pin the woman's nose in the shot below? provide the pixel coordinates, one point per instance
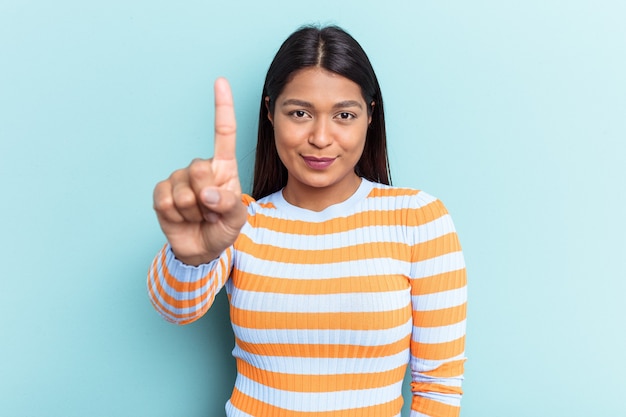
(321, 135)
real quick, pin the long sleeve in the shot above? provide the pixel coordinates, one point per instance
(183, 293)
(438, 298)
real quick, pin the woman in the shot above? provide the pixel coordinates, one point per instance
(335, 279)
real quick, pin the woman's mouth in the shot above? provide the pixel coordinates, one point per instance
(318, 163)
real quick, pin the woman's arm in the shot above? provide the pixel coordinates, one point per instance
(201, 213)
(183, 293)
(439, 297)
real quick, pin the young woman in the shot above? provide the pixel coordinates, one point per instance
(336, 280)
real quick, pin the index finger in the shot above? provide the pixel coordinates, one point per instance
(225, 125)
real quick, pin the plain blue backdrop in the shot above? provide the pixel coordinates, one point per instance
(513, 113)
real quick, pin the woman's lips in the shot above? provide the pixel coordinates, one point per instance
(318, 163)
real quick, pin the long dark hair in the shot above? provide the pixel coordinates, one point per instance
(335, 50)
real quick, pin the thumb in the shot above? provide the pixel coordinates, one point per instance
(225, 204)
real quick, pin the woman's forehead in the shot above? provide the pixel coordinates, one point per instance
(320, 85)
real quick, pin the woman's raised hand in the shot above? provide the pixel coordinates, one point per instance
(199, 207)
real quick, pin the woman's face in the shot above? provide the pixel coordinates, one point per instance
(320, 123)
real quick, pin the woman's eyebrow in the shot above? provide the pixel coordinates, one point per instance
(306, 104)
(296, 102)
(348, 103)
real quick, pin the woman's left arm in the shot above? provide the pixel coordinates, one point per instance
(439, 298)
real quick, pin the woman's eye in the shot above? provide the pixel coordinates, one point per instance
(298, 114)
(346, 116)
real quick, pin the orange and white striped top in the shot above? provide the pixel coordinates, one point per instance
(329, 307)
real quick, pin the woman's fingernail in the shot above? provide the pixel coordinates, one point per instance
(210, 196)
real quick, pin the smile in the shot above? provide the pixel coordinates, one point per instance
(318, 163)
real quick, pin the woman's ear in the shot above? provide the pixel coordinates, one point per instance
(371, 111)
(269, 112)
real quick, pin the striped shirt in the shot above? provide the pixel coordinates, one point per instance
(329, 307)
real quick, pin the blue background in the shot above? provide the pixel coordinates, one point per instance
(513, 113)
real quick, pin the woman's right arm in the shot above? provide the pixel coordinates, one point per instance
(201, 213)
(183, 293)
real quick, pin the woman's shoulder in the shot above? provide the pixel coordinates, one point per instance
(408, 206)
(404, 196)
(254, 205)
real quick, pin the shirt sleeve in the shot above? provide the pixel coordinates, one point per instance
(182, 293)
(439, 298)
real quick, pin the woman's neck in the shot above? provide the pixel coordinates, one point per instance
(319, 198)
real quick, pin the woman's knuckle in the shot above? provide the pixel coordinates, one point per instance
(199, 169)
(185, 198)
(163, 204)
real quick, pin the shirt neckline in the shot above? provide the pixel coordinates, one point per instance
(341, 209)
